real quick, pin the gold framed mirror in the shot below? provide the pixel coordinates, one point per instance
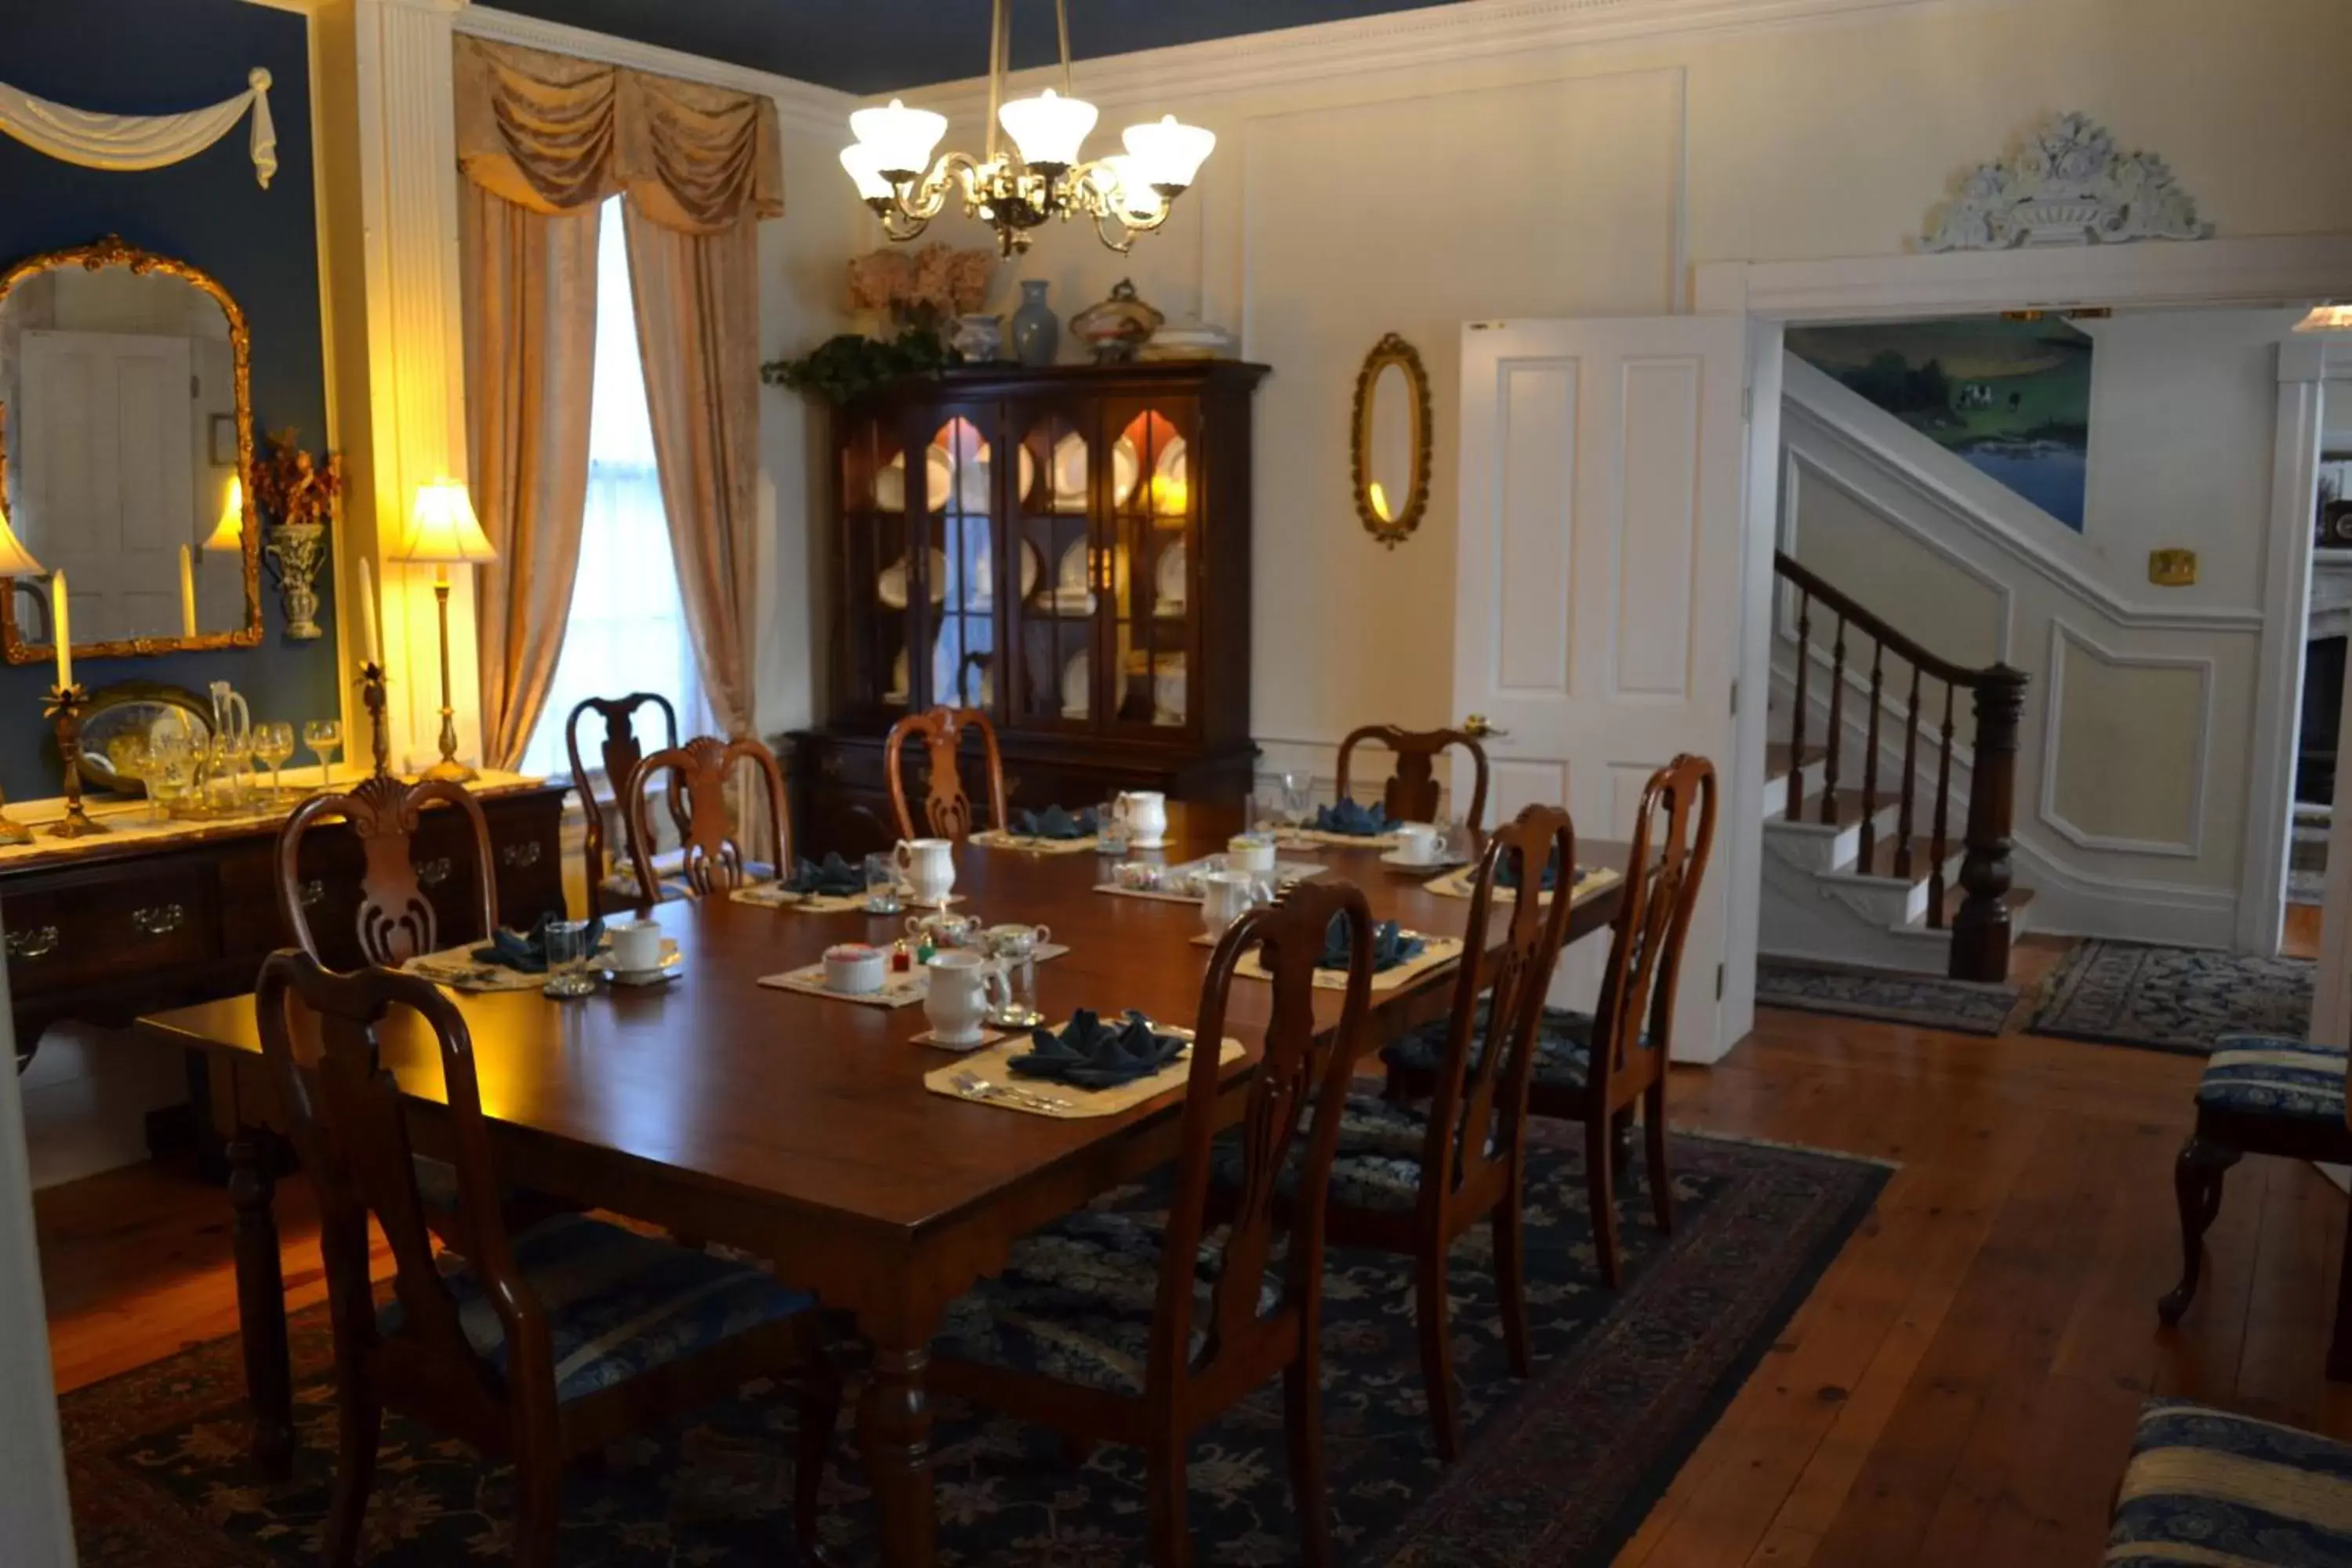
(1390, 441)
(126, 433)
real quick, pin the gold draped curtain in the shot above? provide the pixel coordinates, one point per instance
(545, 139)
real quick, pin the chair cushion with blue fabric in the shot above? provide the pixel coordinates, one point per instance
(2206, 1487)
(1075, 1303)
(2266, 1075)
(1563, 1048)
(618, 1304)
(1377, 1165)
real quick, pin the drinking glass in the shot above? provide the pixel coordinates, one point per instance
(1297, 796)
(567, 959)
(232, 760)
(881, 884)
(1110, 829)
(324, 737)
(272, 744)
(171, 770)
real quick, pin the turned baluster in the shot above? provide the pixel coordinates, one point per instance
(1938, 849)
(1910, 782)
(1837, 726)
(1797, 714)
(1870, 758)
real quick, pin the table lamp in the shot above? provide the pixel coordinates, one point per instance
(229, 535)
(16, 561)
(443, 532)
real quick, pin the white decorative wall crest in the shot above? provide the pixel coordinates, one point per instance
(2067, 184)
(127, 141)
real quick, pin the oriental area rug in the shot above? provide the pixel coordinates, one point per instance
(2179, 999)
(1559, 1470)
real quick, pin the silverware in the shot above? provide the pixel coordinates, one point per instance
(971, 1086)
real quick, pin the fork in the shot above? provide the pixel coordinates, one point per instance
(971, 1086)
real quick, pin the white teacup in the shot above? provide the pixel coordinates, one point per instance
(1245, 852)
(854, 969)
(964, 987)
(636, 945)
(928, 867)
(1225, 897)
(1417, 843)
(1145, 813)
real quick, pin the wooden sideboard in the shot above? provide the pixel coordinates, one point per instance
(105, 929)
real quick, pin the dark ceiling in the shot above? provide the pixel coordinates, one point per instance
(874, 46)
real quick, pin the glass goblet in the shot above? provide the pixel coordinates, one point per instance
(1298, 794)
(324, 737)
(171, 769)
(273, 744)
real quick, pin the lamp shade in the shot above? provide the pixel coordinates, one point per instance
(1129, 194)
(1048, 129)
(228, 534)
(864, 164)
(2326, 319)
(16, 561)
(1169, 154)
(902, 138)
(442, 527)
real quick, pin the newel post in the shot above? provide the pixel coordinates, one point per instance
(1980, 930)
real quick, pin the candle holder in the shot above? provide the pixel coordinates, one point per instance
(372, 695)
(65, 707)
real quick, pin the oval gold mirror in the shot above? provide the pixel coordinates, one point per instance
(1391, 441)
(126, 438)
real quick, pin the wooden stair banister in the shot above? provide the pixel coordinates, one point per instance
(1980, 926)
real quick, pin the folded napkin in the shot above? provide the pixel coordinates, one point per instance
(1355, 821)
(1506, 873)
(1092, 1054)
(526, 953)
(834, 877)
(1054, 823)
(1390, 946)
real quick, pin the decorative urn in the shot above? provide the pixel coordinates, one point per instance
(1116, 328)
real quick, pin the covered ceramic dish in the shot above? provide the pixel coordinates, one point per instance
(1113, 329)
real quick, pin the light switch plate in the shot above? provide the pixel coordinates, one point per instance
(2172, 568)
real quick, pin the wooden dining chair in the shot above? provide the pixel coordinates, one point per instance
(1112, 1327)
(946, 809)
(1597, 1067)
(613, 876)
(395, 921)
(541, 1346)
(712, 854)
(1411, 792)
(1415, 1178)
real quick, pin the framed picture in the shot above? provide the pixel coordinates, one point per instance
(224, 441)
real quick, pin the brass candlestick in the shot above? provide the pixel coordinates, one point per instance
(65, 707)
(372, 694)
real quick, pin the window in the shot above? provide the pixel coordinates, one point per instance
(627, 631)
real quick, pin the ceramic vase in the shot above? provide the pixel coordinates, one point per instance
(979, 338)
(1036, 330)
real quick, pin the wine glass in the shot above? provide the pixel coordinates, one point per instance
(233, 765)
(324, 737)
(1298, 794)
(273, 744)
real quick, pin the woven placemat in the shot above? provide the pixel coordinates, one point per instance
(1317, 839)
(1590, 880)
(458, 970)
(998, 838)
(1285, 872)
(1043, 1097)
(897, 990)
(776, 896)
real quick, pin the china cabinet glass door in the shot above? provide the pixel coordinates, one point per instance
(957, 614)
(1150, 567)
(1053, 541)
(874, 498)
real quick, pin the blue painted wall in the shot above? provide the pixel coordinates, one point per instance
(151, 57)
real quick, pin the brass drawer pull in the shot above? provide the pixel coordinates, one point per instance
(33, 945)
(162, 920)
(433, 873)
(520, 856)
(314, 893)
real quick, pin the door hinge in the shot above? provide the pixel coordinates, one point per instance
(1735, 700)
(1747, 402)
(1718, 983)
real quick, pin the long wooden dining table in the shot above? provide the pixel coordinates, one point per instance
(797, 1127)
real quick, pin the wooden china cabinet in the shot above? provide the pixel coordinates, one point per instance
(1092, 596)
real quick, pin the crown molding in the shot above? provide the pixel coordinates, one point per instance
(1326, 51)
(800, 105)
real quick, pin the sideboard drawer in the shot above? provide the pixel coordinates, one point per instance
(74, 928)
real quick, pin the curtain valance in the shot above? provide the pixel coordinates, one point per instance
(132, 141)
(557, 134)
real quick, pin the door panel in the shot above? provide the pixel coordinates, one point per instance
(1600, 582)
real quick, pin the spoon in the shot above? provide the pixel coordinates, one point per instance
(973, 1087)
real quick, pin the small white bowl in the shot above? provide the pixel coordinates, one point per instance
(854, 969)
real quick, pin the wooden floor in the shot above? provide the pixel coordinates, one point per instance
(1959, 1389)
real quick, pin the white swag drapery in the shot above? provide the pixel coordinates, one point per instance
(133, 142)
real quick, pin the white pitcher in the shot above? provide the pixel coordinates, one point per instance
(1145, 813)
(1225, 897)
(964, 988)
(928, 868)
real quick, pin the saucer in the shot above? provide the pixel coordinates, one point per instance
(1441, 863)
(672, 965)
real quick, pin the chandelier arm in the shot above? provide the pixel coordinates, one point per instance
(1105, 225)
(900, 225)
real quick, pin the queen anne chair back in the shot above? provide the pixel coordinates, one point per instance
(620, 751)
(1673, 834)
(946, 809)
(1412, 791)
(395, 921)
(716, 860)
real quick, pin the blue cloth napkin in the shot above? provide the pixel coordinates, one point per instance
(1390, 946)
(526, 953)
(1054, 823)
(1092, 1054)
(833, 878)
(1506, 874)
(1355, 821)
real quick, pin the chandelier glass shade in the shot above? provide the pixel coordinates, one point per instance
(1043, 175)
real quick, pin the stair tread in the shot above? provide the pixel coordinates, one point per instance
(1846, 806)
(1776, 759)
(1922, 851)
(2017, 899)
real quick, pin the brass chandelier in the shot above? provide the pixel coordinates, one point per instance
(1040, 176)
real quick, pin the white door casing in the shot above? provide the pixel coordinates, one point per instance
(1603, 582)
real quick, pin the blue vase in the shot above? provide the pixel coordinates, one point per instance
(1036, 330)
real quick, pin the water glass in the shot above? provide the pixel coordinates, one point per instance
(1297, 796)
(171, 769)
(1110, 829)
(882, 884)
(567, 959)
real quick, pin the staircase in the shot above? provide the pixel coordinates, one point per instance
(1873, 856)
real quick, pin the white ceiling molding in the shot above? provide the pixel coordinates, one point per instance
(2064, 183)
(801, 106)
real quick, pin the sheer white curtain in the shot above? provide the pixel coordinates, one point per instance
(627, 631)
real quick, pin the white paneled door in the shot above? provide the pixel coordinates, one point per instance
(1602, 581)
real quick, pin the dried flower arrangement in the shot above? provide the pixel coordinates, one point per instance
(921, 292)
